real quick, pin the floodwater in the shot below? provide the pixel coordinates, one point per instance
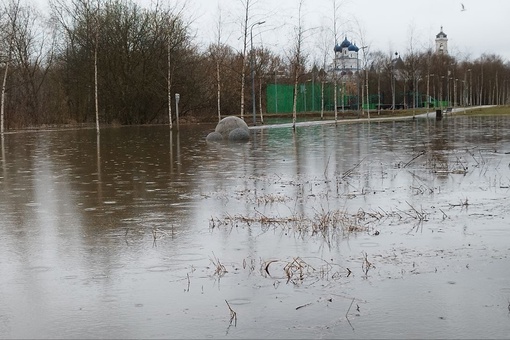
(362, 230)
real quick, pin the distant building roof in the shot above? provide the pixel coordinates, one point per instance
(345, 44)
(441, 34)
(353, 48)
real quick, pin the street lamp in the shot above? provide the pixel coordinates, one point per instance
(416, 96)
(366, 82)
(177, 97)
(361, 77)
(455, 92)
(253, 71)
(441, 93)
(428, 90)
(393, 64)
(470, 88)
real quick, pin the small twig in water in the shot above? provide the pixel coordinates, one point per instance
(306, 304)
(233, 314)
(420, 154)
(420, 216)
(346, 314)
(366, 265)
(266, 267)
(349, 272)
(444, 215)
(326, 168)
(351, 170)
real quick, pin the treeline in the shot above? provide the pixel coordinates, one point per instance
(124, 63)
(409, 79)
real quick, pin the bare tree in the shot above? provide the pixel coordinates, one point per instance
(7, 30)
(80, 22)
(96, 47)
(2, 104)
(336, 9)
(173, 42)
(297, 59)
(30, 58)
(365, 48)
(218, 55)
(324, 45)
(246, 6)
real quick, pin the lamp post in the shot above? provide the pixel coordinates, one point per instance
(393, 81)
(177, 97)
(378, 92)
(253, 71)
(441, 92)
(428, 90)
(448, 98)
(470, 94)
(314, 72)
(275, 93)
(455, 92)
(366, 82)
(416, 96)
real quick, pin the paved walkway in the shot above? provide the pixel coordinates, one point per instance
(429, 115)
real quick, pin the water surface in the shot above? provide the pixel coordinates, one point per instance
(366, 230)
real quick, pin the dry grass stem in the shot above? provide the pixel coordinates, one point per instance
(220, 269)
(421, 153)
(366, 265)
(305, 305)
(233, 315)
(351, 170)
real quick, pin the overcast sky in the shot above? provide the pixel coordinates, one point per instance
(388, 25)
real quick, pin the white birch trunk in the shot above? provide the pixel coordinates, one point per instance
(260, 103)
(169, 86)
(218, 80)
(95, 81)
(2, 105)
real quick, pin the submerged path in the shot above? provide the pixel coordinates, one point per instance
(427, 115)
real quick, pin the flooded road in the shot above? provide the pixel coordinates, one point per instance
(365, 230)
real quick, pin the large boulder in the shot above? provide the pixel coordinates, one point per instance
(230, 128)
(214, 137)
(239, 135)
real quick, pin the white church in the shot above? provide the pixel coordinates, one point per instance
(347, 62)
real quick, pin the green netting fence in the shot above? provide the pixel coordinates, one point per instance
(280, 98)
(309, 99)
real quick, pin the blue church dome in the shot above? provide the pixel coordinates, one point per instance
(353, 48)
(345, 44)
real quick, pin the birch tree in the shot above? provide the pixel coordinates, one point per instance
(297, 60)
(335, 61)
(218, 55)
(6, 49)
(246, 6)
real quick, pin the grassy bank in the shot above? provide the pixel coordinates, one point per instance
(487, 111)
(303, 116)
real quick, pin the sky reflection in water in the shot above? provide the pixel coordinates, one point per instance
(145, 233)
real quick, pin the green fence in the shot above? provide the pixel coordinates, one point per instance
(280, 98)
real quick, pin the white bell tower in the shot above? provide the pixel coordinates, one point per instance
(441, 42)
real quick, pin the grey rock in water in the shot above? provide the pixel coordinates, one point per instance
(239, 135)
(214, 137)
(230, 128)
